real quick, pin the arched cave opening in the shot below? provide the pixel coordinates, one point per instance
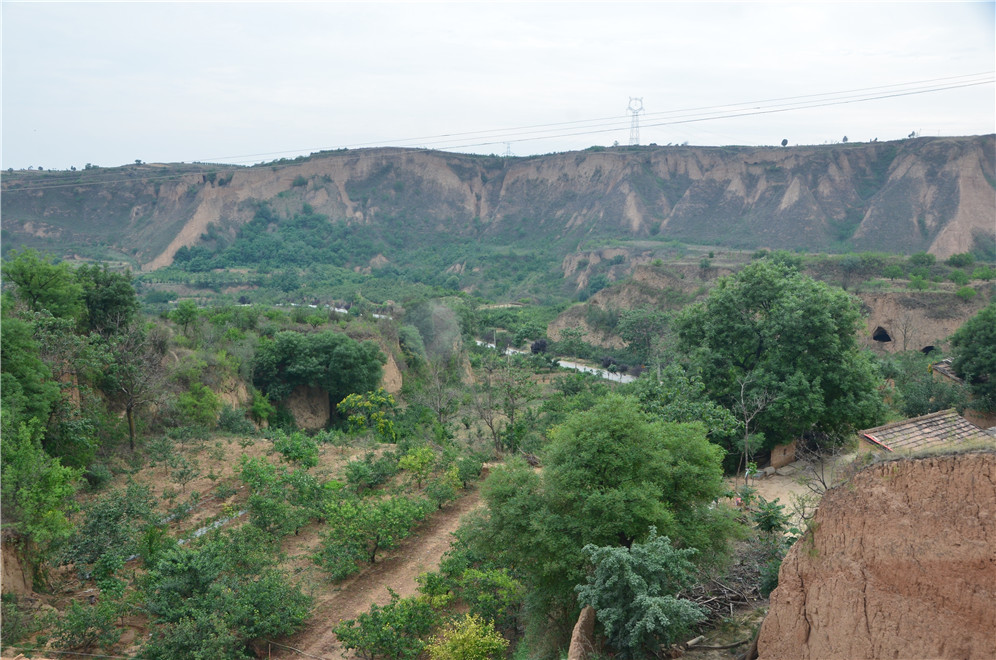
(881, 335)
(927, 350)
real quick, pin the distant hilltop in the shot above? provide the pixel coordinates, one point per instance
(922, 194)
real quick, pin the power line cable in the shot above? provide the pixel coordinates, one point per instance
(598, 126)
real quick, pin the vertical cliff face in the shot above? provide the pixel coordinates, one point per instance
(900, 563)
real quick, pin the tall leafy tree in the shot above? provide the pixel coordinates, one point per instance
(609, 475)
(137, 375)
(109, 299)
(792, 341)
(975, 356)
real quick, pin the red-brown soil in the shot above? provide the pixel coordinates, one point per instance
(898, 563)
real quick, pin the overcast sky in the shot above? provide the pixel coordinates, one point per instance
(109, 83)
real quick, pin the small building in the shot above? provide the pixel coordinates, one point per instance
(944, 429)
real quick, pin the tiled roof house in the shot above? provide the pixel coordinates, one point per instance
(940, 429)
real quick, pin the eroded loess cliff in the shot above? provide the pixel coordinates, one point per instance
(931, 194)
(900, 563)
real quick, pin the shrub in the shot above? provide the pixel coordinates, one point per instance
(959, 277)
(966, 293)
(233, 420)
(983, 273)
(371, 471)
(418, 461)
(631, 589)
(961, 260)
(261, 409)
(299, 181)
(111, 527)
(297, 448)
(359, 529)
(199, 405)
(213, 599)
(84, 627)
(470, 638)
(393, 631)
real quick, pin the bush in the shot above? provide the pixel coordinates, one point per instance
(983, 273)
(961, 260)
(966, 293)
(959, 277)
(233, 420)
(631, 589)
(213, 599)
(297, 448)
(371, 471)
(394, 631)
(84, 627)
(199, 405)
(470, 638)
(18, 622)
(111, 527)
(359, 529)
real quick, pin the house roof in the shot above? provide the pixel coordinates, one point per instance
(945, 369)
(940, 429)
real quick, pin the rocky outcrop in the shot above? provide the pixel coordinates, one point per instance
(899, 563)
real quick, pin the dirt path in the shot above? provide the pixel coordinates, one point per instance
(419, 553)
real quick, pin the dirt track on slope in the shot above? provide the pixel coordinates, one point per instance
(419, 553)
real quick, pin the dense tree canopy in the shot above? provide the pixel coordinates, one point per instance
(975, 356)
(772, 338)
(609, 475)
(330, 360)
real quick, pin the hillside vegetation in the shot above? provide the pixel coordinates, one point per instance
(194, 483)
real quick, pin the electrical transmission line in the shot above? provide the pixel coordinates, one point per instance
(507, 136)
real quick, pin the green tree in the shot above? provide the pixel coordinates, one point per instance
(111, 525)
(793, 341)
(419, 462)
(329, 360)
(28, 389)
(36, 491)
(974, 346)
(215, 597)
(43, 285)
(503, 392)
(634, 593)
(359, 529)
(185, 314)
(610, 473)
(644, 330)
(675, 395)
(109, 299)
(136, 377)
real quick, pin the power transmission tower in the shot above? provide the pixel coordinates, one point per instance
(635, 108)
